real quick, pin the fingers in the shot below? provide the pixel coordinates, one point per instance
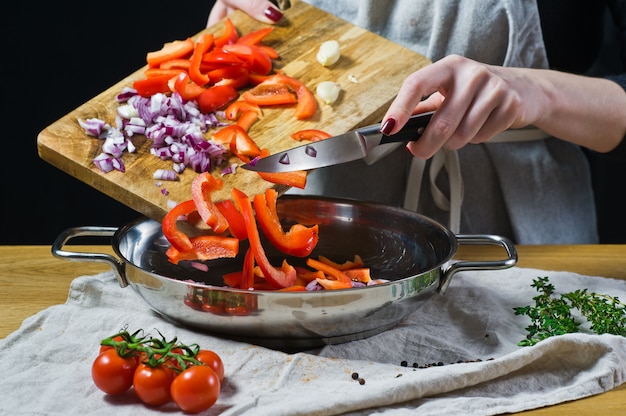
(262, 10)
(472, 103)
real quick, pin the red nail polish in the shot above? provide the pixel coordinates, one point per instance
(273, 14)
(388, 126)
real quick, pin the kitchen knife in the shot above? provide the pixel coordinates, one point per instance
(344, 148)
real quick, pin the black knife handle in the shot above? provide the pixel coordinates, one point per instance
(411, 131)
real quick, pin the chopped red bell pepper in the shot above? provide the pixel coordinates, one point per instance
(357, 262)
(201, 188)
(158, 72)
(296, 178)
(307, 105)
(187, 89)
(236, 225)
(206, 247)
(299, 241)
(177, 238)
(361, 274)
(171, 50)
(313, 135)
(229, 35)
(339, 280)
(255, 37)
(270, 93)
(202, 46)
(241, 145)
(246, 120)
(216, 97)
(147, 87)
(247, 274)
(283, 276)
(255, 58)
(235, 109)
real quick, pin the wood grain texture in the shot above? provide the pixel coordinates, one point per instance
(379, 65)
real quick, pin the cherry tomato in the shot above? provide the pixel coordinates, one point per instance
(213, 360)
(111, 373)
(196, 389)
(152, 384)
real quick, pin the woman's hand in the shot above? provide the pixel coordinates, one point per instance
(262, 10)
(475, 101)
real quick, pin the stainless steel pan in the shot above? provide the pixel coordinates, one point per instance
(412, 251)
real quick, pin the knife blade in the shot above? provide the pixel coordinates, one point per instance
(346, 147)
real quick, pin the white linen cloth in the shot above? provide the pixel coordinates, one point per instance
(46, 364)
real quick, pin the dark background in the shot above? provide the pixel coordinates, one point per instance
(58, 55)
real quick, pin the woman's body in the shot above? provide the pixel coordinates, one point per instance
(535, 191)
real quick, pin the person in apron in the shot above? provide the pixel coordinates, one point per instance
(523, 184)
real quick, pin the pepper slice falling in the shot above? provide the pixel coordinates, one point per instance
(299, 241)
(277, 277)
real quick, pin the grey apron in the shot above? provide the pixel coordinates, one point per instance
(533, 191)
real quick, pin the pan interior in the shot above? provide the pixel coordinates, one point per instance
(393, 242)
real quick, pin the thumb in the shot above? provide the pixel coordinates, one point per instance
(261, 10)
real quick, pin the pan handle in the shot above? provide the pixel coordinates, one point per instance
(89, 231)
(475, 239)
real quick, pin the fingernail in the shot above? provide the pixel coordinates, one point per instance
(388, 126)
(273, 14)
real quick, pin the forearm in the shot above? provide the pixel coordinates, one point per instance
(590, 112)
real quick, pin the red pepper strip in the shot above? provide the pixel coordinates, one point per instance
(281, 277)
(294, 288)
(236, 108)
(342, 281)
(202, 46)
(361, 274)
(237, 82)
(206, 247)
(269, 51)
(296, 178)
(233, 279)
(310, 276)
(255, 58)
(158, 72)
(270, 93)
(216, 97)
(242, 145)
(356, 263)
(231, 72)
(256, 79)
(201, 188)
(187, 89)
(229, 36)
(236, 225)
(299, 241)
(177, 238)
(307, 105)
(247, 274)
(171, 50)
(149, 86)
(255, 37)
(312, 135)
(246, 120)
(176, 64)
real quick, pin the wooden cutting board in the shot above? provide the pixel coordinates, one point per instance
(370, 72)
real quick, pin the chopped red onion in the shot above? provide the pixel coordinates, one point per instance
(200, 266)
(284, 159)
(165, 175)
(310, 151)
(175, 126)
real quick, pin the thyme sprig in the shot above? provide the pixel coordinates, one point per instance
(552, 315)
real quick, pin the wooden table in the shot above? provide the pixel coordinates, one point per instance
(31, 279)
